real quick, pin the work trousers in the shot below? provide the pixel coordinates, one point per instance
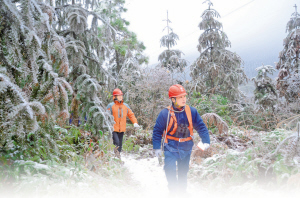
(177, 180)
(118, 139)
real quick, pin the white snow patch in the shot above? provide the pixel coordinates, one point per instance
(149, 174)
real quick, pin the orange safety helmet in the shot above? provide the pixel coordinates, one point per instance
(117, 92)
(176, 91)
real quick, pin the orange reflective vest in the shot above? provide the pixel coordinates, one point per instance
(120, 111)
(173, 120)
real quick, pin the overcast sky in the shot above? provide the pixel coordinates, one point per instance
(254, 27)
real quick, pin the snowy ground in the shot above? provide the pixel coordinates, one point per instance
(146, 179)
(151, 177)
(149, 174)
(151, 181)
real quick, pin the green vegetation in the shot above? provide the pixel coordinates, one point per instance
(57, 73)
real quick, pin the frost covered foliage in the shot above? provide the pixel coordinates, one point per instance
(265, 93)
(146, 92)
(33, 87)
(259, 162)
(242, 114)
(288, 82)
(125, 51)
(49, 54)
(291, 149)
(217, 70)
(86, 53)
(171, 58)
(97, 172)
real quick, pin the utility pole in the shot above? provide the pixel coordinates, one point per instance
(168, 27)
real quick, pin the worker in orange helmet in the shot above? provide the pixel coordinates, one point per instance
(174, 126)
(120, 111)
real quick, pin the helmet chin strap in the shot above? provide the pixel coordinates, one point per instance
(177, 106)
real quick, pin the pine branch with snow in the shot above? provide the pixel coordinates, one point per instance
(289, 62)
(217, 70)
(265, 92)
(171, 58)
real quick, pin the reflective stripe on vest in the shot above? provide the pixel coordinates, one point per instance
(174, 120)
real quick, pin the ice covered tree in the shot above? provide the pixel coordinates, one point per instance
(48, 50)
(217, 70)
(146, 93)
(86, 55)
(265, 92)
(171, 58)
(288, 81)
(33, 87)
(126, 52)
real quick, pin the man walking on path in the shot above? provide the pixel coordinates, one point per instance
(175, 125)
(120, 111)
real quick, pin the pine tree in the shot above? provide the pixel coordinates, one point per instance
(217, 70)
(47, 50)
(34, 90)
(171, 58)
(288, 81)
(126, 52)
(86, 54)
(265, 92)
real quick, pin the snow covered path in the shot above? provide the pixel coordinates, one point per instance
(149, 174)
(151, 178)
(151, 182)
(147, 180)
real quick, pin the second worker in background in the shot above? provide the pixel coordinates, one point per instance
(120, 111)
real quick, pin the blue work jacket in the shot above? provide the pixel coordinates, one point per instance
(175, 146)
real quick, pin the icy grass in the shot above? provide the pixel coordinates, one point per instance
(71, 179)
(251, 169)
(229, 173)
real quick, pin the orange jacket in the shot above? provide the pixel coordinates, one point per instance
(120, 111)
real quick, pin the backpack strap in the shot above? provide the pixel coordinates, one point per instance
(173, 119)
(190, 120)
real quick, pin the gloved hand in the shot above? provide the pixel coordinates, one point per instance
(202, 146)
(158, 152)
(136, 125)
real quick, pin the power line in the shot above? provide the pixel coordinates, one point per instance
(222, 17)
(238, 9)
